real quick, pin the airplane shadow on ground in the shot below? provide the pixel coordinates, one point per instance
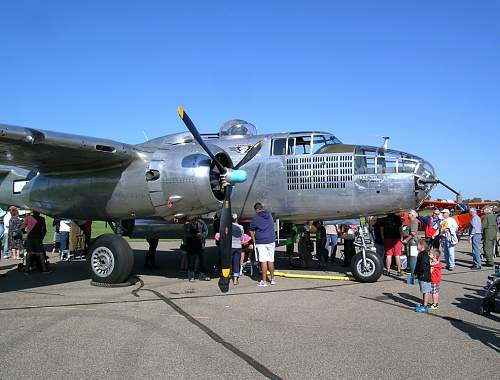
(488, 336)
(472, 302)
(169, 261)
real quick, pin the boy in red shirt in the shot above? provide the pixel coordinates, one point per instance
(436, 266)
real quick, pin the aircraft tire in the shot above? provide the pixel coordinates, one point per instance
(110, 259)
(374, 267)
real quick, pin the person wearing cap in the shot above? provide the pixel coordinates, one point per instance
(436, 225)
(449, 228)
(237, 238)
(475, 236)
(431, 227)
(489, 228)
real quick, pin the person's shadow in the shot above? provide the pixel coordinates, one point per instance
(404, 299)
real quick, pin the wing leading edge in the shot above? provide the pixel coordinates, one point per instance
(52, 152)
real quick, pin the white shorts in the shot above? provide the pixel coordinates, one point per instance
(265, 252)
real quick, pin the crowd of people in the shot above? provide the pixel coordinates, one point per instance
(21, 238)
(440, 235)
(398, 245)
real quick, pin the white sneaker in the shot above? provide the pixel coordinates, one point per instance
(273, 282)
(262, 283)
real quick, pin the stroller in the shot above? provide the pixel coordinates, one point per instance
(492, 293)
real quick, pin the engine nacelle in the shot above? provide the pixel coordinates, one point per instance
(157, 229)
(183, 180)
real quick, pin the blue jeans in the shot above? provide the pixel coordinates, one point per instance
(64, 237)
(6, 244)
(1, 235)
(476, 250)
(449, 253)
(380, 249)
(236, 258)
(331, 241)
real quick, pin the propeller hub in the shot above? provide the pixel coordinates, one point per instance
(233, 176)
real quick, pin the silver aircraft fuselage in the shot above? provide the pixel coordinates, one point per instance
(298, 176)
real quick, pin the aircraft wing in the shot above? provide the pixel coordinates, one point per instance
(49, 152)
(438, 204)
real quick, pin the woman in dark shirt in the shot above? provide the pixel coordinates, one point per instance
(15, 235)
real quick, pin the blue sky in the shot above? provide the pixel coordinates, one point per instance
(426, 73)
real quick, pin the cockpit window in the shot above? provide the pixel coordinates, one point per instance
(279, 147)
(322, 142)
(291, 146)
(303, 145)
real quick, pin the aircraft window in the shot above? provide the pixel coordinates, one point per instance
(321, 142)
(406, 166)
(390, 165)
(380, 164)
(318, 142)
(237, 127)
(303, 145)
(365, 161)
(279, 147)
(291, 146)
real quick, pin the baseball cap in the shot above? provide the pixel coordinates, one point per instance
(445, 210)
(436, 211)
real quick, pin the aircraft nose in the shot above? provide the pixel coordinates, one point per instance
(380, 160)
(425, 180)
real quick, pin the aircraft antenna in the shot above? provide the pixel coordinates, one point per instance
(386, 142)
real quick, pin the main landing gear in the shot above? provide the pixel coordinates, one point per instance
(110, 259)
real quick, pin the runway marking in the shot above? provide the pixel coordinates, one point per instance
(42, 293)
(70, 308)
(181, 316)
(30, 307)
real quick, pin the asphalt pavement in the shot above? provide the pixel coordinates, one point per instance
(59, 326)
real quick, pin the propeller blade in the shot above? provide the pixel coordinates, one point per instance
(189, 124)
(250, 154)
(226, 233)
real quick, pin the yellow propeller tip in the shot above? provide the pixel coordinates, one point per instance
(180, 111)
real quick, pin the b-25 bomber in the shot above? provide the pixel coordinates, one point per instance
(144, 188)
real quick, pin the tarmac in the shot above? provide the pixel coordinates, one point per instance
(59, 326)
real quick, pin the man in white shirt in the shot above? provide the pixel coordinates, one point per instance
(449, 228)
(64, 229)
(331, 240)
(6, 221)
